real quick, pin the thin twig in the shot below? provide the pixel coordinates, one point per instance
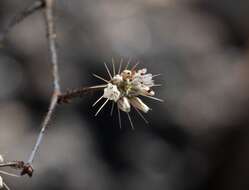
(18, 165)
(9, 174)
(39, 4)
(75, 93)
(44, 127)
(13, 164)
(49, 19)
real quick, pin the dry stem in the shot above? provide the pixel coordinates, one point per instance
(51, 35)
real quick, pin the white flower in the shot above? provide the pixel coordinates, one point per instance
(124, 88)
(111, 92)
(124, 105)
(138, 103)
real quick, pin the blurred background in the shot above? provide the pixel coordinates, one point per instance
(196, 140)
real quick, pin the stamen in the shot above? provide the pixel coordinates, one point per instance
(112, 108)
(99, 77)
(101, 107)
(134, 67)
(154, 98)
(113, 67)
(129, 117)
(97, 101)
(128, 63)
(119, 118)
(120, 65)
(156, 85)
(108, 71)
(99, 86)
(156, 75)
(141, 115)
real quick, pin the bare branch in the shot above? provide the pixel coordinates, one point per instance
(75, 93)
(18, 165)
(37, 5)
(49, 17)
(51, 34)
(13, 164)
(44, 127)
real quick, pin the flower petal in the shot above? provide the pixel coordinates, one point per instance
(111, 92)
(138, 103)
(124, 105)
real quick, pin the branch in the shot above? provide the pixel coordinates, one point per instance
(13, 164)
(51, 35)
(49, 18)
(18, 165)
(57, 96)
(37, 5)
(75, 93)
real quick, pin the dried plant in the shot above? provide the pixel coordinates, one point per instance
(123, 87)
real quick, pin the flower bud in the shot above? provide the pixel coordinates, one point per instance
(124, 105)
(126, 74)
(138, 103)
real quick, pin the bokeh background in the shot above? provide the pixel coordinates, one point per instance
(196, 140)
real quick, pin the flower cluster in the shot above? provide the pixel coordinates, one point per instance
(124, 88)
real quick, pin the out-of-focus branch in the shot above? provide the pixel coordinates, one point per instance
(37, 5)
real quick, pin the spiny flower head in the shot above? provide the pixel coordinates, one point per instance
(125, 87)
